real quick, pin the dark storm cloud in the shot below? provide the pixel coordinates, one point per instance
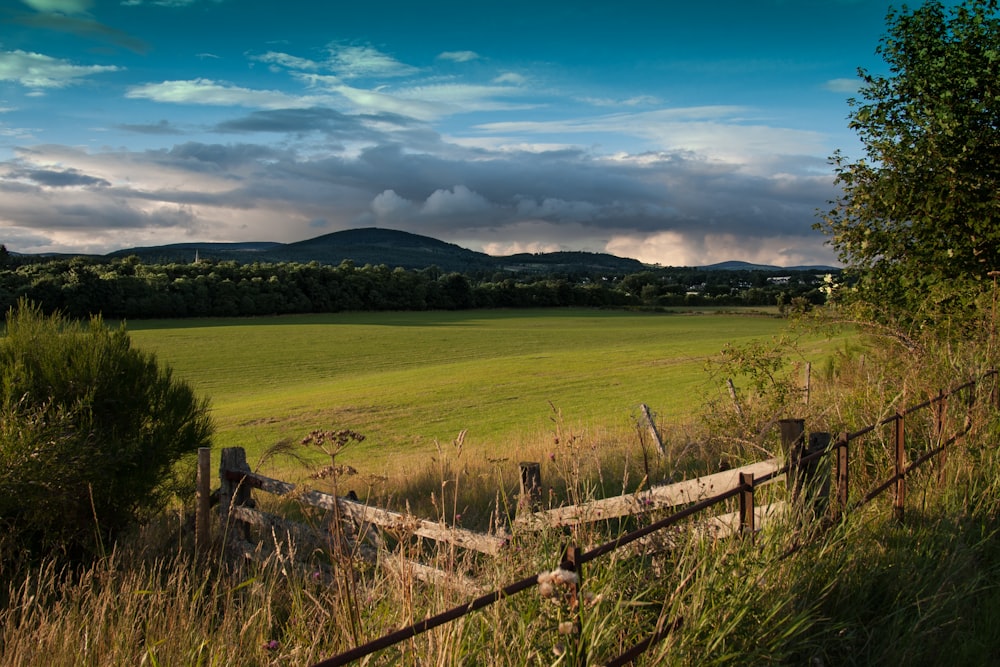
(317, 119)
(61, 178)
(164, 127)
(83, 27)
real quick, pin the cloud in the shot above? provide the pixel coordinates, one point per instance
(289, 61)
(208, 92)
(843, 85)
(458, 56)
(60, 6)
(164, 127)
(64, 178)
(351, 62)
(61, 19)
(512, 78)
(35, 70)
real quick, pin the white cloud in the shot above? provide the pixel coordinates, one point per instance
(352, 62)
(388, 206)
(512, 78)
(459, 200)
(36, 70)
(458, 56)
(843, 85)
(717, 132)
(60, 6)
(208, 92)
(286, 60)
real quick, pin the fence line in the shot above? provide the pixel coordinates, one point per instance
(801, 470)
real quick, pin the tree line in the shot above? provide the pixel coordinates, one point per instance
(128, 288)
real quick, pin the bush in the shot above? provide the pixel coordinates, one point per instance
(89, 430)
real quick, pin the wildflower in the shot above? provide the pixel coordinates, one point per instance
(458, 517)
(552, 456)
(316, 575)
(272, 645)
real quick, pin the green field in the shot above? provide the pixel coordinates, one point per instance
(406, 380)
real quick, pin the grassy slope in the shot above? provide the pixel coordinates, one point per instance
(408, 379)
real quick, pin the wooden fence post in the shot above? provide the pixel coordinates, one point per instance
(899, 503)
(652, 429)
(793, 443)
(531, 486)
(843, 477)
(202, 527)
(233, 492)
(747, 520)
(816, 473)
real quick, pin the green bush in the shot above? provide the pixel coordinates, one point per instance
(90, 429)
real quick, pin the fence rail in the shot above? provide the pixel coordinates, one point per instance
(802, 469)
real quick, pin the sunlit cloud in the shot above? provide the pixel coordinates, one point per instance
(36, 70)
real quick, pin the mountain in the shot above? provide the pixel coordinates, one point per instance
(746, 266)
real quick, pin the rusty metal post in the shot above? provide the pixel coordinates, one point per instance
(571, 562)
(843, 477)
(203, 484)
(939, 433)
(900, 502)
(747, 518)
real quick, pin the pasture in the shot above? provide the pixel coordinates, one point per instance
(409, 380)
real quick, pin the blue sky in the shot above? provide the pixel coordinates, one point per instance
(679, 133)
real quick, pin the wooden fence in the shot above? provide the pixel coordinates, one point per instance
(813, 467)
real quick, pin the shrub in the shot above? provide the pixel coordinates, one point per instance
(90, 428)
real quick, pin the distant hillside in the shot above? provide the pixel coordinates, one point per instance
(746, 266)
(376, 246)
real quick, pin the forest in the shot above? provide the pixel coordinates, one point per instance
(129, 288)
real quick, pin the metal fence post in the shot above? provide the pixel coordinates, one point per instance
(899, 504)
(747, 518)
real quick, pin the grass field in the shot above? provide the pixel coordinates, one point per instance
(407, 380)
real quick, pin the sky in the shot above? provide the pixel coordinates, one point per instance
(678, 133)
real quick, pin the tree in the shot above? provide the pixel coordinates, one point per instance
(90, 431)
(918, 222)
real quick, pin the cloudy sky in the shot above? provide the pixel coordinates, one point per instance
(675, 132)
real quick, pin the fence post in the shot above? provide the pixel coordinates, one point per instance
(531, 486)
(233, 493)
(747, 519)
(652, 429)
(203, 483)
(939, 433)
(899, 503)
(793, 442)
(571, 563)
(817, 487)
(843, 478)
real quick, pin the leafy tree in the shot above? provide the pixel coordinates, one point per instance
(90, 429)
(918, 221)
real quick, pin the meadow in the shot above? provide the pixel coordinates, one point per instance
(409, 381)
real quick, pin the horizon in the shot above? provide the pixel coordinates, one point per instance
(663, 132)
